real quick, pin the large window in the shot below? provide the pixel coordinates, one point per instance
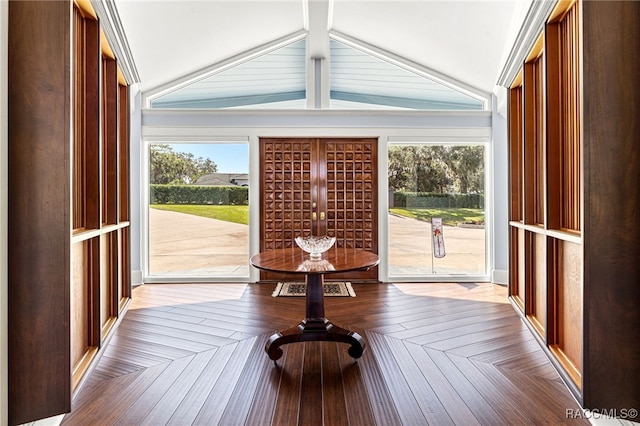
(436, 211)
(198, 210)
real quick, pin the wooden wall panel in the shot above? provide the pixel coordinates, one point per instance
(514, 268)
(569, 312)
(564, 153)
(522, 269)
(55, 198)
(516, 154)
(611, 202)
(123, 153)
(81, 296)
(125, 267)
(534, 141)
(39, 150)
(593, 196)
(91, 125)
(84, 312)
(109, 141)
(108, 281)
(79, 169)
(539, 283)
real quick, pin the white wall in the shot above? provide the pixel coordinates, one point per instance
(500, 228)
(4, 371)
(135, 183)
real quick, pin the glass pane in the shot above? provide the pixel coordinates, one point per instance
(199, 210)
(429, 183)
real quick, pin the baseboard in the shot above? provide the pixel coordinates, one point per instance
(136, 278)
(500, 276)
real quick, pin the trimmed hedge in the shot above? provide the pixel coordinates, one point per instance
(437, 200)
(199, 194)
(239, 196)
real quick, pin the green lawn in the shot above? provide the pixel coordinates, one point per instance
(240, 214)
(236, 214)
(450, 216)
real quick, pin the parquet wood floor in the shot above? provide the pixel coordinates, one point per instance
(437, 354)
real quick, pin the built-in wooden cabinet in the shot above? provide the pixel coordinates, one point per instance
(574, 168)
(69, 238)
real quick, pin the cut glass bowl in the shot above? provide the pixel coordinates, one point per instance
(315, 246)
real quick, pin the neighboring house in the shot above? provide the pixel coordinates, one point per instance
(222, 179)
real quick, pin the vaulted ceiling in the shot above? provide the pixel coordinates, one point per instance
(466, 40)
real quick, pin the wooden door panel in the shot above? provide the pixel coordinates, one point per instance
(351, 197)
(285, 192)
(334, 178)
(351, 193)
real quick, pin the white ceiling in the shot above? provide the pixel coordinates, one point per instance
(467, 40)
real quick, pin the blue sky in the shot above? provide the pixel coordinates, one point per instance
(230, 158)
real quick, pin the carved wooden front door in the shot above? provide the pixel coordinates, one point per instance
(319, 186)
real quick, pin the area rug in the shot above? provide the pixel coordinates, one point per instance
(334, 288)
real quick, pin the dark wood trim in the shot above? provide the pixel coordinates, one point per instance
(125, 266)
(56, 179)
(529, 288)
(555, 120)
(109, 141)
(530, 167)
(79, 147)
(564, 159)
(515, 154)
(92, 124)
(593, 198)
(611, 42)
(123, 153)
(39, 101)
(93, 302)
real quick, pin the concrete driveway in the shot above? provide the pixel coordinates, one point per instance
(193, 245)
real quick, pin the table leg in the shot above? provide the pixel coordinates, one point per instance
(315, 327)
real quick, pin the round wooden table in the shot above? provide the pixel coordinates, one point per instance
(315, 327)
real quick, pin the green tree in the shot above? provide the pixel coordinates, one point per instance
(170, 167)
(417, 169)
(442, 168)
(402, 165)
(433, 175)
(467, 166)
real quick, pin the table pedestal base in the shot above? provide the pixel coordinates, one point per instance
(312, 330)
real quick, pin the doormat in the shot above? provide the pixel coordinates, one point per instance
(337, 288)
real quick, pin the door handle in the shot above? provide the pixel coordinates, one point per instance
(314, 216)
(321, 215)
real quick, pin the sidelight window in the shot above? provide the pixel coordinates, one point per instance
(436, 212)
